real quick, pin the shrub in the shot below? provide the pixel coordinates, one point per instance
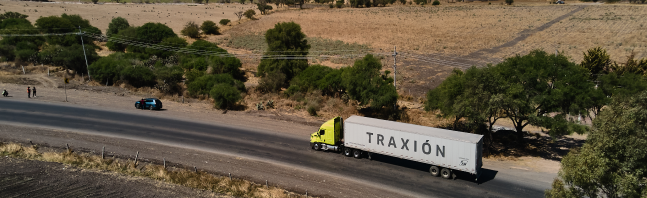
(152, 33)
(209, 27)
(365, 84)
(403, 2)
(7, 52)
(15, 22)
(191, 30)
(272, 82)
(224, 21)
(331, 5)
(138, 76)
(285, 39)
(95, 1)
(72, 57)
(203, 84)
(312, 110)
(116, 25)
(127, 33)
(509, 2)
(250, 14)
(171, 42)
(224, 95)
(339, 4)
(107, 69)
(436, 2)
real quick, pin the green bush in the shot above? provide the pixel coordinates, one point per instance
(364, 83)
(108, 69)
(170, 42)
(403, 2)
(509, 2)
(151, 33)
(436, 2)
(250, 14)
(287, 40)
(15, 22)
(126, 33)
(224, 21)
(138, 76)
(339, 4)
(191, 30)
(225, 96)
(203, 84)
(7, 52)
(116, 25)
(12, 15)
(194, 63)
(64, 24)
(72, 57)
(309, 79)
(209, 27)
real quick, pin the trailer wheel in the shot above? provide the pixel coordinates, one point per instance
(435, 171)
(445, 173)
(357, 153)
(348, 152)
(317, 146)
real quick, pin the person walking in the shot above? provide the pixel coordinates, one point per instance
(34, 92)
(5, 93)
(28, 92)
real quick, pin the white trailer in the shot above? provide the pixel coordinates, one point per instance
(445, 150)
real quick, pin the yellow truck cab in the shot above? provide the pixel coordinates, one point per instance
(329, 136)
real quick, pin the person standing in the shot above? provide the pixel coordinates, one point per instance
(28, 92)
(34, 91)
(142, 103)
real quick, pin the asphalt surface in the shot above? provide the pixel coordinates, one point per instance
(270, 146)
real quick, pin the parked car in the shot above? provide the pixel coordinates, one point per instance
(559, 2)
(151, 103)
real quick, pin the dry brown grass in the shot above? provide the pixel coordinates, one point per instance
(198, 180)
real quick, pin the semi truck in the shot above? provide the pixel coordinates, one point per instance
(444, 150)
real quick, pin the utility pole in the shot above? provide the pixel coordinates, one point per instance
(394, 78)
(86, 57)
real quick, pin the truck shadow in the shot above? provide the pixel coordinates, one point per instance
(486, 174)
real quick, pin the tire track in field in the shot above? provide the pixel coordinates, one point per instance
(521, 36)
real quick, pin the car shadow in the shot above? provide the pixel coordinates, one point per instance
(160, 109)
(486, 174)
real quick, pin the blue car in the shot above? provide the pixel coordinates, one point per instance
(151, 103)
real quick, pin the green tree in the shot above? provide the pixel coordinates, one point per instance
(152, 33)
(127, 33)
(108, 69)
(11, 22)
(287, 48)
(209, 27)
(72, 57)
(191, 30)
(250, 14)
(611, 163)
(116, 25)
(538, 85)
(364, 83)
(170, 42)
(596, 61)
(225, 96)
(66, 24)
(309, 79)
(203, 84)
(12, 15)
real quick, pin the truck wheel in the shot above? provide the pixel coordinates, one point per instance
(435, 171)
(317, 146)
(445, 173)
(357, 153)
(348, 152)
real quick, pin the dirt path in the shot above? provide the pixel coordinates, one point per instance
(521, 36)
(27, 178)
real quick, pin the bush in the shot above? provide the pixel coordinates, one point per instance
(339, 4)
(272, 82)
(420, 2)
(250, 14)
(171, 42)
(116, 25)
(436, 2)
(365, 84)
(209, 27)
(95, 1)
(224, 21)
(403, 2)
(191, 30)
(285, 39)
(509, 2)
(312, 110)
(107, 69)
(152, 33)
(127, 33)
(203, 84)
(225, 96)
(72, 57)
(331, 5)
(138, 76)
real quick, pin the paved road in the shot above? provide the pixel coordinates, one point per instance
(267, 145)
